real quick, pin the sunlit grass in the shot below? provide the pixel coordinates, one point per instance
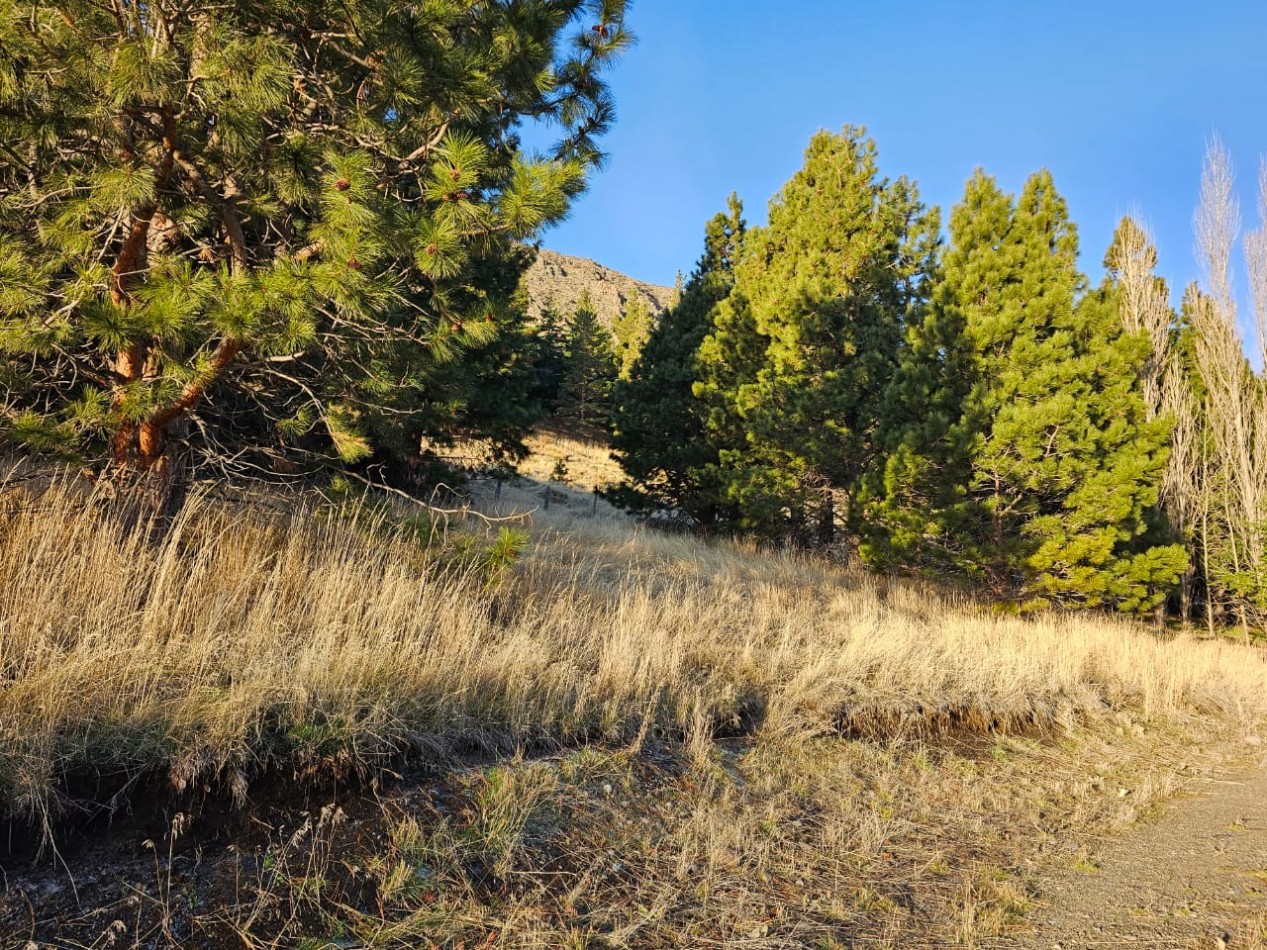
(248, 639)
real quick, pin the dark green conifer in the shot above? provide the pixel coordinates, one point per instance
(660, 438)
(808, 341)
(306, 198)
(549, 349)
(917, 508)
(590, 372)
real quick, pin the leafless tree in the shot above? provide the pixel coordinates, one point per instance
(1145, 307)
(1235, 400)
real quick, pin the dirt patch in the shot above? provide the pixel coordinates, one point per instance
(1197, 877)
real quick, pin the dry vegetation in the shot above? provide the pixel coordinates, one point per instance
(684, 744)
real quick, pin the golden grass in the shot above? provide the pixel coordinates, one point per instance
(248, 640)
(588, 462)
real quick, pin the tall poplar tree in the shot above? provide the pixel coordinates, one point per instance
(301, 197)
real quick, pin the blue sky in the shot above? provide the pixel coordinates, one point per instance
(1118, 98)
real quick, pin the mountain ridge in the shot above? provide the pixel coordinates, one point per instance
(560, 279)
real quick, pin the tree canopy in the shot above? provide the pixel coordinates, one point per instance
(316, 201)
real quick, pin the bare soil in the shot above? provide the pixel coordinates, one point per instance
(1194, 878)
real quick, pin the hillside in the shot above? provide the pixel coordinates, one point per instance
(562, 278)
(310, 730)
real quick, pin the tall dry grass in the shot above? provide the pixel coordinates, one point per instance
(249, 640)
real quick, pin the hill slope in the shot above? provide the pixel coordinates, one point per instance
(331, 722)
(562, 279)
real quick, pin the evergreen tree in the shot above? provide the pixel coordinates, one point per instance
(660, 439)
(1043, 485)
(822, 293)
(590, 371)
(549, 354)
(631, 330)
(728, 363)
(303, 197)
(917, 508)
(487, 392)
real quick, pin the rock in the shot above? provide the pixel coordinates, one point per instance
(562, 279)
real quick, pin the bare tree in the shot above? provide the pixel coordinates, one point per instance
(1183, 496)
(1235, 403)
(1145, 305)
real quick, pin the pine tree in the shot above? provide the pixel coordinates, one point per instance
(631, 331)
(728, 363)
(822, 294)
(917, 507)
(485, 393)
(297, 196)
(549, 349)
(1105, 545)
(660, 439)
(1042, 460)
(590, 372)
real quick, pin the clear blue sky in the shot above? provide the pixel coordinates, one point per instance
(1117, 97)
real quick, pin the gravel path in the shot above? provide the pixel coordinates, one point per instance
(1195, 878)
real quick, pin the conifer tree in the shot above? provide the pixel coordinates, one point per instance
(590, 371)
(298, 196)
(823, 292)
(485, 393)
(549, 348)
(728, 362)
(631, 330)
(660, 439)
(1043, 483)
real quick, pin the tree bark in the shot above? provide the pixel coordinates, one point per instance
(144, 453)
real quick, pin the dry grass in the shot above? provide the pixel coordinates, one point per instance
(587, 464)
(717, 746)
(244, 642)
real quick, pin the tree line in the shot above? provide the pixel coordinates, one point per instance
(283, 239)
(968, 407)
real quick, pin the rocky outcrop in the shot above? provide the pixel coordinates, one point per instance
(562, 279)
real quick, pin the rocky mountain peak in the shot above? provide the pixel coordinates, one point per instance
(562, 279)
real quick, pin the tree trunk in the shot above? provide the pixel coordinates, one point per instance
(145, 453)
(149, 471)
(827, 519)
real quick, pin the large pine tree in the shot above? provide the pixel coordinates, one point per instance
(1042, 484)
(308, 198)
(822, 293)
(660, 438)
